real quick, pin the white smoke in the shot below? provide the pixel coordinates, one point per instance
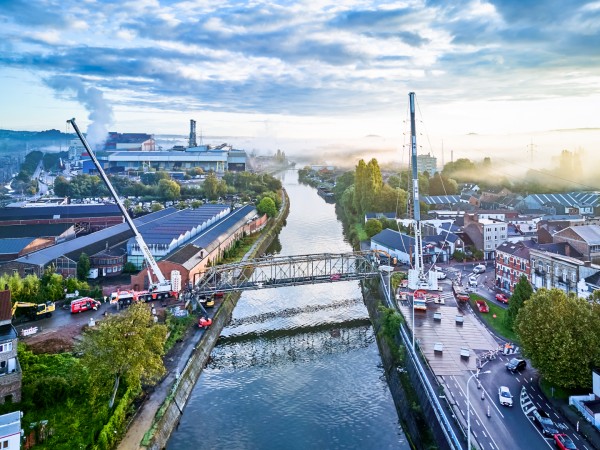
(100, 112)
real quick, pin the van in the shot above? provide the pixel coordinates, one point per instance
(479, 268)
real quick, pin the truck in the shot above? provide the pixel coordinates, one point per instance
(420, 300)
(160, 287)
(84, 304)
(460, 293)
(35, 311)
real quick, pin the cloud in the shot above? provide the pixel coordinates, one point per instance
(305, 58)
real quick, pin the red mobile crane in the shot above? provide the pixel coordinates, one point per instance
(159, 289)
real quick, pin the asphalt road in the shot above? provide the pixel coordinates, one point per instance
(493, 426)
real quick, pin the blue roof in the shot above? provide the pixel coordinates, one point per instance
(394, 239)
(12, 246)
(222, 228)
(49, 212)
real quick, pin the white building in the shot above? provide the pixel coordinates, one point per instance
(10, 431)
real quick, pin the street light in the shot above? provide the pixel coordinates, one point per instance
(476, 374)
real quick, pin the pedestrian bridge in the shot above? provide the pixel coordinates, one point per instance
(276, 271)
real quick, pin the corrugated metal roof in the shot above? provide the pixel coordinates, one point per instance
(49, 212)
(12, 246)
(568, 199)
(46, 255)
(589, 233)
(441, 199)
(32, 230)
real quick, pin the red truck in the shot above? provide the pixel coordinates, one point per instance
(84, 304)
(482, 306)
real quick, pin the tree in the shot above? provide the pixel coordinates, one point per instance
(522, 293)
(267, 206)
(559, 332)
(210, 186)
(61, 186)
(372, 227)
(169, 189)
(51, 286)
(126, 347)
(83, 267)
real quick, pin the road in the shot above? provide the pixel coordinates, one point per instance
(493, 426)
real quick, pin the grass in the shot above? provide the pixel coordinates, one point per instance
(552, 391)
(496, 323)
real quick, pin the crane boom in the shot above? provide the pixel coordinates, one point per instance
(152, 265)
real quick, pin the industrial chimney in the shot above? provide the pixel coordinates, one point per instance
(193, 142)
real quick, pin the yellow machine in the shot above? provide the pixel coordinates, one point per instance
(35, 310)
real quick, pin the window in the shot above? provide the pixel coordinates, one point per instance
(6, 347)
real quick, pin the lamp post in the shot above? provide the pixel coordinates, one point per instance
(476, 374)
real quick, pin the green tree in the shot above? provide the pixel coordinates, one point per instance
(126, 347)
(211, 186)
(442, 185)
(83, 267)
(51, 286)
(559, 332)
(169, 190)
(267, 206)
(372, 227)
(156, 207)
(360, 183)
(521, 294)
(61, 186)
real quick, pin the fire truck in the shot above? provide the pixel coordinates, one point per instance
(160, 287)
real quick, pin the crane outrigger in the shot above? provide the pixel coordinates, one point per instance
(159, 289)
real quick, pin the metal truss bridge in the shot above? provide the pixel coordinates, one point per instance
(277, 271)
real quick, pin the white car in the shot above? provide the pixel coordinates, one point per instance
(440, 275)
(479, 268)
(505, 396)
(473, 281)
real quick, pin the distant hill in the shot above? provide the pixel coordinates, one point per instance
(47, 135)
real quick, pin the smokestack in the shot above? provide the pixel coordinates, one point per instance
(193, 142)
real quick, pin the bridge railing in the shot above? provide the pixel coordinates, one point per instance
(277, 271)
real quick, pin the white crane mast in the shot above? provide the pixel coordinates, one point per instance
(162, 284)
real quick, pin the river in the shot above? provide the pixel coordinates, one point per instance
(298, 367)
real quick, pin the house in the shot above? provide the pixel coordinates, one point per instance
(485, 234)
(585, 239)
(574, 203)
(379, 215)
(513, 262)
(589, 405)
(402, 247)
(558, 266)
(10, 370)
(10, 430)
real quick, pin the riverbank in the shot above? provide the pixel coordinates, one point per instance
(159, 414)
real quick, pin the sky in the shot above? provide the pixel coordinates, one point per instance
(492, 78)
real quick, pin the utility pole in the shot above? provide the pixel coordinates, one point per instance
(531, 148)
